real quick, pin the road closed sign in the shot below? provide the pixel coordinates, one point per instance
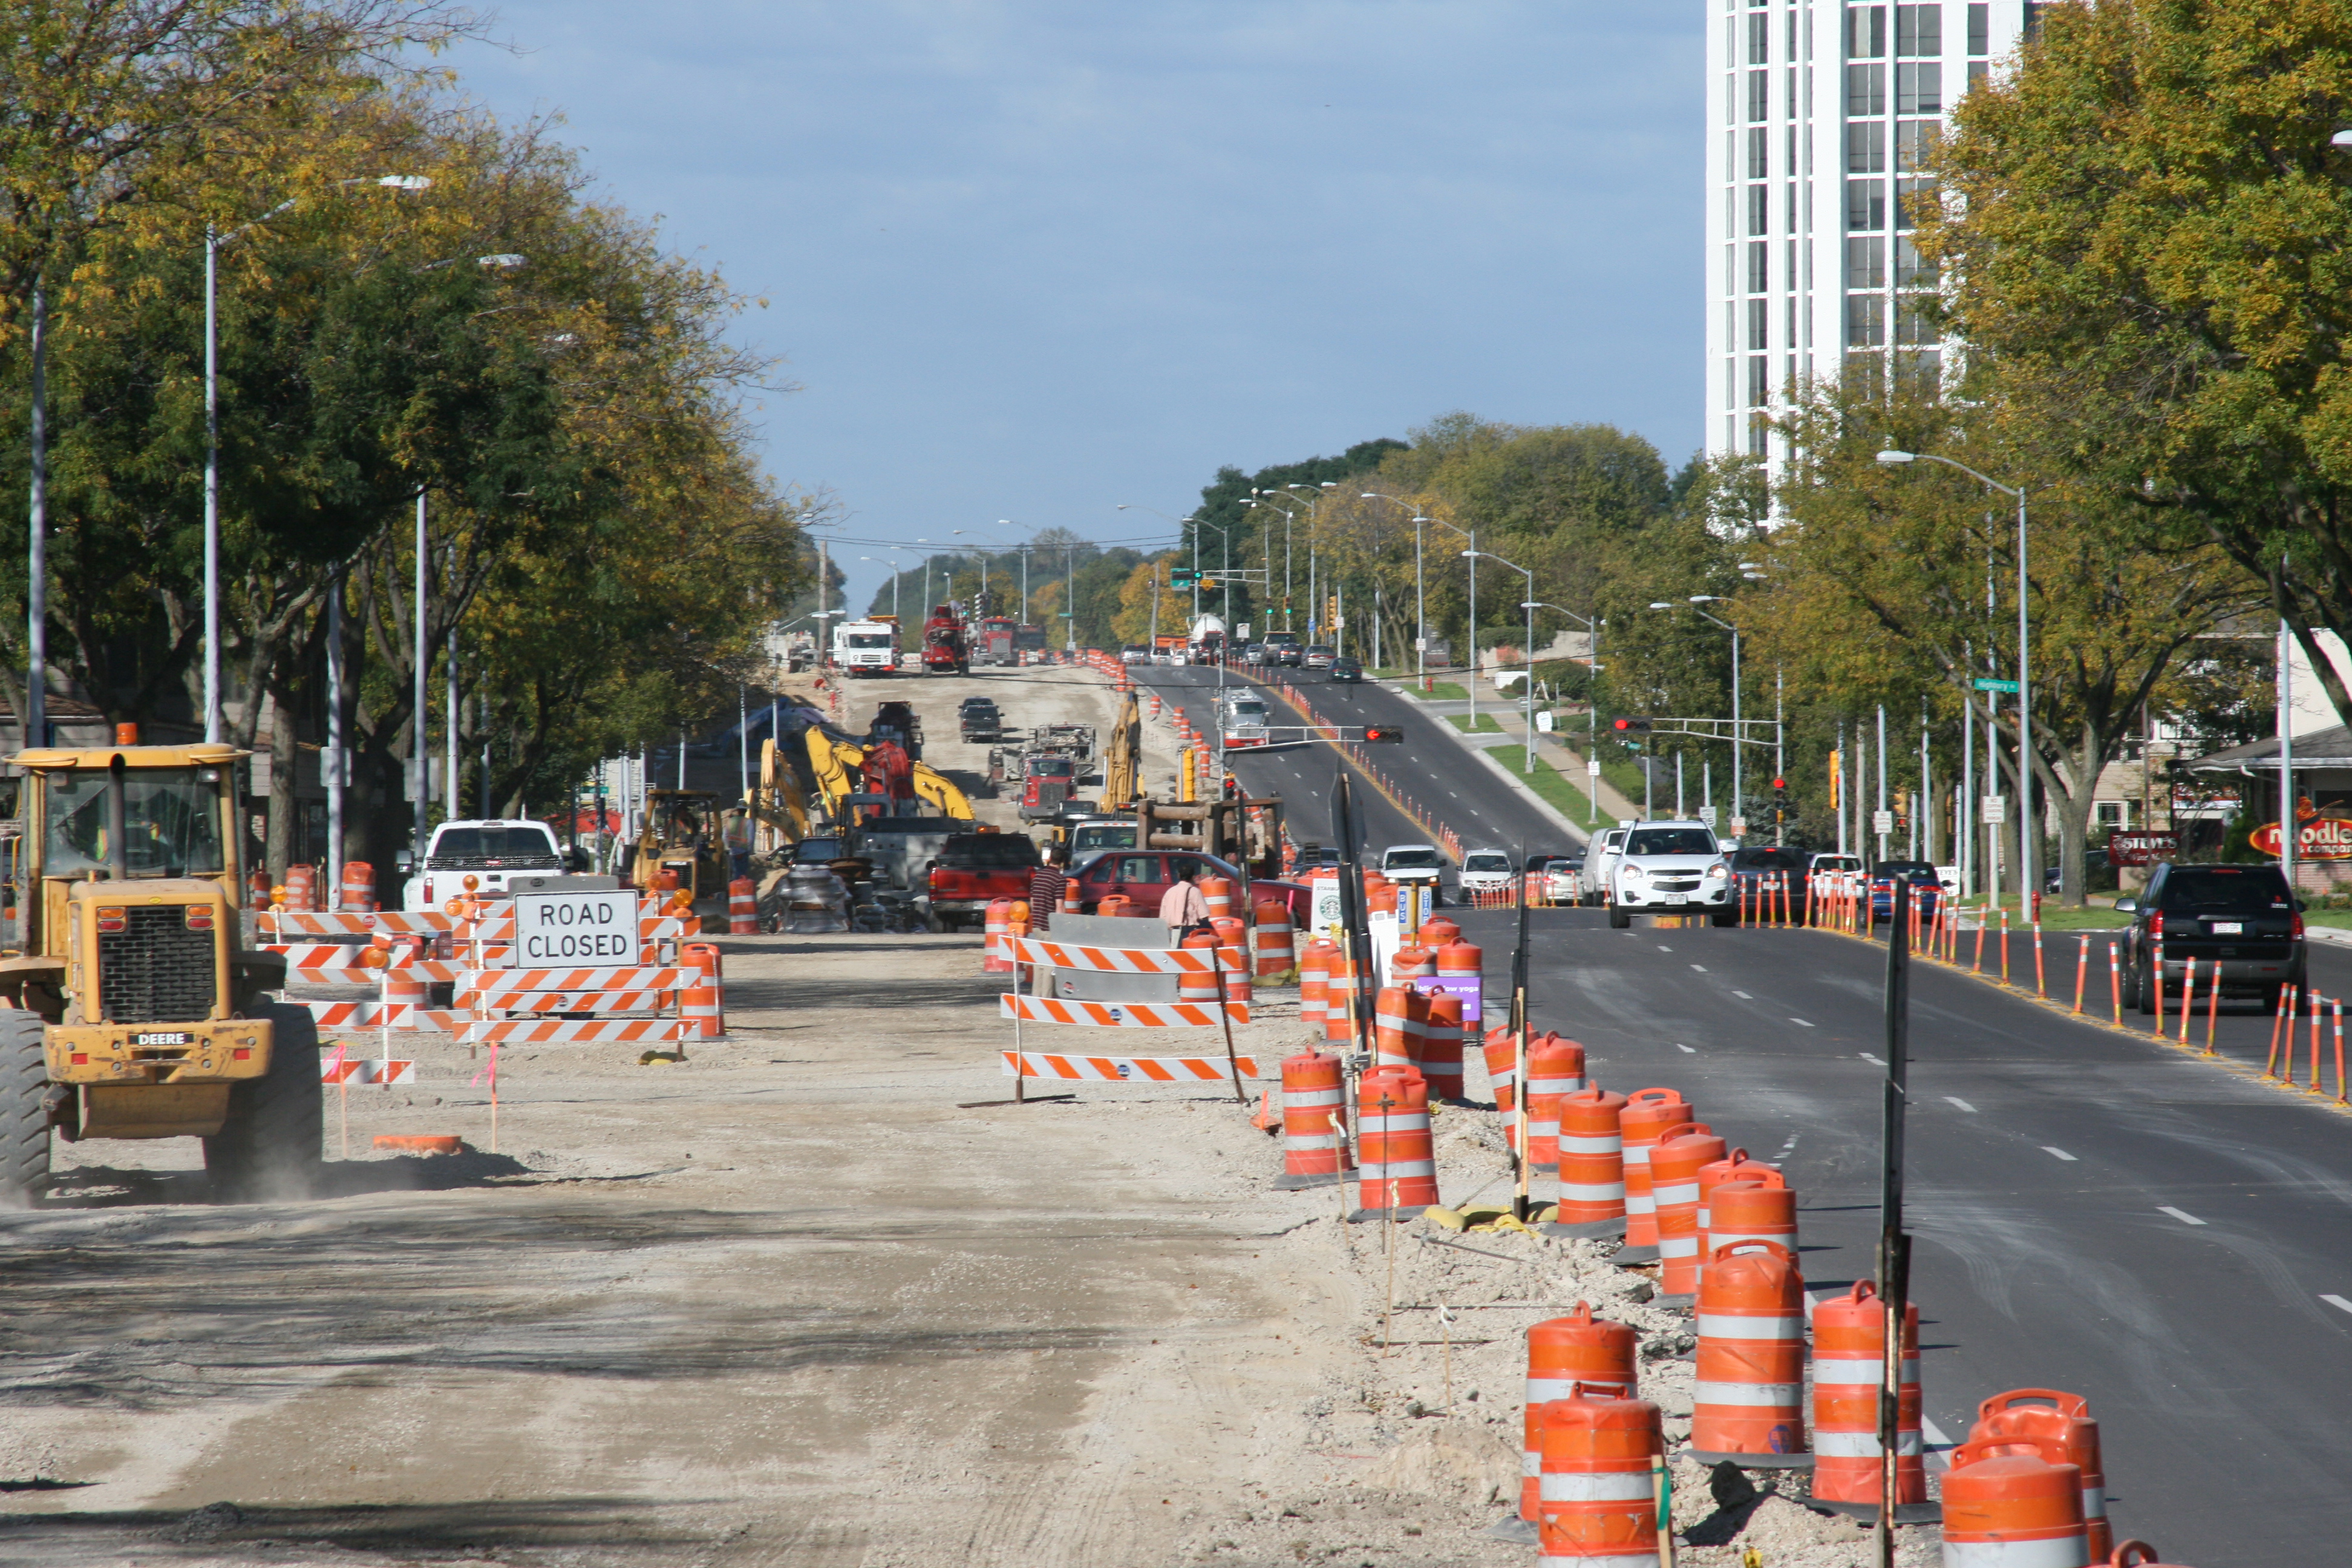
(555, 930)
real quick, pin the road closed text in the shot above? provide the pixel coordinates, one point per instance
(553, 929)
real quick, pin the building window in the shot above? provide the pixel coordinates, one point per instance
(1864, 373)
(1759, 40)
(1865, 263)
(1979, 29)
(1911, 198)
(1760, 153)
(1866, 321)
(1759, 95)
(2033, 20)
(1913, 270)
(2112, 813)
(1759, 264)
(1865, 32)
(1978, 71)
(1919, 31)
(1865, 206)
(1919, 89)
(1866, 146)
(1912, 325)
(1866, 92)
(1758, 432)
(1759, 380)
(1921, 375)
(1760, 209)
(1913, 140)
(1756, 324)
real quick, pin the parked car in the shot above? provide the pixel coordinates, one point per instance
(1347, 669)
(975, 867)
(1485, 871)
(2237, 924)
(1558, 879)
(1318, 656)
(1927, 887)
(980, 720)
(1599, 862)
(1675, 868)
(1410, 865)
(1763, 872)
(1146, 875)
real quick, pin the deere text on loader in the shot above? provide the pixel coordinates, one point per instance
(132, 1009)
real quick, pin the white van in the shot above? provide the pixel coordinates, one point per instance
(1593, 884)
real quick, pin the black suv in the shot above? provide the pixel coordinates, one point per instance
(980, 720)
(2237, 923)
(1761, 872)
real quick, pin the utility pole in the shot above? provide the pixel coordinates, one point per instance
(37, 554)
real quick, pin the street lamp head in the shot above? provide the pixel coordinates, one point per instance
(1751, 566)
(1470, 552)
(1370, 495)
(1121, 506)
(1893, 458)
(1709, 599)
(1421, 520)
(2341, 138)
(1663, 604)
(1331, 484)
(405, 182)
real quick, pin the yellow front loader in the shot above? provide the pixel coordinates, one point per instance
(133, 1008)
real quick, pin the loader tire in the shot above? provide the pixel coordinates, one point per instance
(23, 1106)
(269, 1148)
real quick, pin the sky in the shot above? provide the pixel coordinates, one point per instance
(1027, 261)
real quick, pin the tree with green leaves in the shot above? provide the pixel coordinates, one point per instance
(2148, 229)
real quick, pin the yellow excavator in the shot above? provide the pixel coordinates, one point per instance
(777, 802)
(1123, 758)
(839, 767)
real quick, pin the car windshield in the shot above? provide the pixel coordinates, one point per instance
(1250, 712)
(1105, 837)
(1408, 859)
(1487, 863)
(869, 639)
(1671, 841)
(170, 822)
(1281, 639)
(1905, 869)
(493, 843)
(2225, 889)
(816, 851)
(1050, 767)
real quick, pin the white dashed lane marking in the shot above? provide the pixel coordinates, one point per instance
(1702, 969)
(1873, 1061)
(1688, 1052)
(2181, 1215)
(2337, 1302)
(1803, 1023)
(1743, 996)
(1964, 1105)
(2059, 1153)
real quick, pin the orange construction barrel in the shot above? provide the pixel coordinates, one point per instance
(1648, 1113)
(2065, 1420)
(1563, 1353)
(2013, 1502)
(1314, 1154)
(1747, 1405)
(1396, 1162)
(1591, 1164)
(1675, 1165)
(1597, 1502)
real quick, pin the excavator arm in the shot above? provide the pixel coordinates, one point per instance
(934, 787)
(779, 801)
(1123, 758)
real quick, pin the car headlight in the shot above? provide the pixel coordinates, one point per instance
(1632, 873)
(1718, 871)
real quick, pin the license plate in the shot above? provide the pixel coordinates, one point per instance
(2228, 928)
(1678, 898)
(160, 1038)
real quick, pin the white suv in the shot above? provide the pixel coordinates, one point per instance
(1486, 871)
(1415, 864)
(1670, 868)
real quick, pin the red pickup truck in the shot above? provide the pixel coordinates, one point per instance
(975, 867)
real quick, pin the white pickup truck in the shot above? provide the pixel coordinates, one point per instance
(496, 853)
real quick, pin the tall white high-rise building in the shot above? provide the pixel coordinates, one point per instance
(1818, 113)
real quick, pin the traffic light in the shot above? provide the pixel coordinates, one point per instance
(1183, 578)
(1382, 733)
(1630, 726)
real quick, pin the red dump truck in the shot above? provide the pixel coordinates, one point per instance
(946, 650)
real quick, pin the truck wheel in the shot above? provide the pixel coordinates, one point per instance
(268, 1149)
(24, 1105)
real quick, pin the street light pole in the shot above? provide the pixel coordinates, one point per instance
(1529, 604)
(2027, 830)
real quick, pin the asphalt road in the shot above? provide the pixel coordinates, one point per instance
(1453, 784)
(2091, 1209)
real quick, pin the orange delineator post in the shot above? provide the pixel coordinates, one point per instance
(2082, 969)
(2116, 981)
(2156, 979)
(2283, 1011)
(1977, 966)
(2004, 944)
(2317, 1002)
(2040, 987)
(2339, 1053)
(2187, 1002)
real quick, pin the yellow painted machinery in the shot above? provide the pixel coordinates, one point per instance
(136, 1010)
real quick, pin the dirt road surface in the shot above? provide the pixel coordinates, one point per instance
(799, 1300)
